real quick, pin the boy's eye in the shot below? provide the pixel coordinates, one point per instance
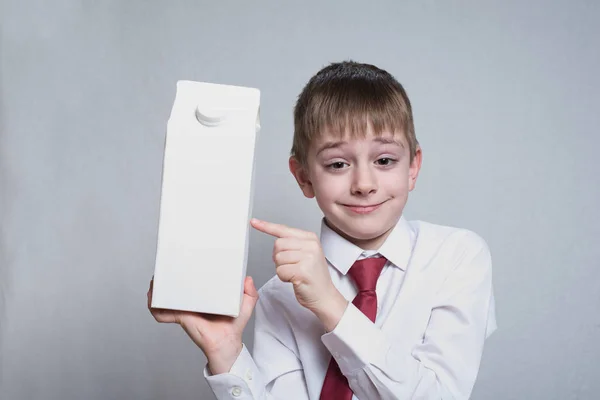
(337, 165)
(385, 161)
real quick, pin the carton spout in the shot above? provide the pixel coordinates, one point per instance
(210, 116)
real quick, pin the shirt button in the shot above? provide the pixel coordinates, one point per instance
(236, 391)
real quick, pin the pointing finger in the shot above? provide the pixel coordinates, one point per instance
(279, 230)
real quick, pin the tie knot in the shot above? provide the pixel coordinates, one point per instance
(365, 273)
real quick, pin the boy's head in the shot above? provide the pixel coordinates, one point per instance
(354, 145)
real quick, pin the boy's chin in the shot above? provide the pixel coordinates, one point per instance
(359, 230)
(366, 234)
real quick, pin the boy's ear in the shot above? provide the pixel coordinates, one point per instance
(415, 167)
(300, 172)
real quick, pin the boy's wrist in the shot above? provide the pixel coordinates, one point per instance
(221, 361)
(332, 310)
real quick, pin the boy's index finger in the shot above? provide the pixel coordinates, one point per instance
(279, 230)
(270, 228)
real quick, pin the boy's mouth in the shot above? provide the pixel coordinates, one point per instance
(363, 209)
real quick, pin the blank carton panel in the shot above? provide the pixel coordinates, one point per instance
(206, 198)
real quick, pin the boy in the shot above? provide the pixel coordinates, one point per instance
(376, 307)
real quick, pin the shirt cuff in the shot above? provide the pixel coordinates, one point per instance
(243, 381)
(356, 342)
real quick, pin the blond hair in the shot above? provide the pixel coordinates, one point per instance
(344, 98)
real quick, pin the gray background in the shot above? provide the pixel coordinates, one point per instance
(506, 109)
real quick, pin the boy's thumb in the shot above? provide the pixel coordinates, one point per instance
(250, 299)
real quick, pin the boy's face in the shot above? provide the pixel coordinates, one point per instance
(361, 185)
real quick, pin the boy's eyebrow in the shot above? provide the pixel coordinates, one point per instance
(331, 145)
(389, 141)
(339, 143)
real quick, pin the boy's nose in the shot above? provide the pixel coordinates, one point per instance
(364, 182)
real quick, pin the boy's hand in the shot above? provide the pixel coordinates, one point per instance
(219, 337)
(299, 260)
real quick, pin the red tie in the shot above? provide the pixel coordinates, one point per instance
(365, 274)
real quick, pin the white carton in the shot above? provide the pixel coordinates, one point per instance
(206, 198)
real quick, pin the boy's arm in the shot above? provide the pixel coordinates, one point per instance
(246, 381)
(280, 375)
(274, 373)
(446, 363)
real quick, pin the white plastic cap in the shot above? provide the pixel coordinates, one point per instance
(210, 116)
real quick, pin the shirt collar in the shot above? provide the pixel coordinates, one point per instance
(341, 254)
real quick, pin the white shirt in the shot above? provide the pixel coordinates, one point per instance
(435, 310)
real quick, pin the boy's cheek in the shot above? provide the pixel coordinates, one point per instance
(328, 192)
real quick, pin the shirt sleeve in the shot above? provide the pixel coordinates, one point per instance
(445, 364)
(274, 373)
